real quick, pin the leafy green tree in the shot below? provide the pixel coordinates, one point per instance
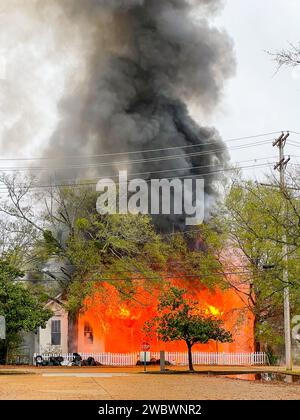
(197, 255)
(77, 243)
(83, 248)
(76, 248)
(256, 217)
(23, 310)
(87, 248)
(180, 319)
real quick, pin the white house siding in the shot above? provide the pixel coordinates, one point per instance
(43, 341)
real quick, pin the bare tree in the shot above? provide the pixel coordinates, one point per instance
(287, 57)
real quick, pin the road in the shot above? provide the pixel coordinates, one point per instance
(127, 384)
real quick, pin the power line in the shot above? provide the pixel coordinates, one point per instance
(294, 144)
(175, 263)
(159, 172)
(142, 278)
(131, 162)
(194, 176)
(140, 151)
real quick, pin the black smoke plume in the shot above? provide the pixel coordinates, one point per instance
(149, 60)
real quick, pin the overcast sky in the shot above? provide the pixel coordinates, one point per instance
(256, 100)
(34, 72)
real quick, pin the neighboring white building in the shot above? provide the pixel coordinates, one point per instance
(53, 338)
(56, 338)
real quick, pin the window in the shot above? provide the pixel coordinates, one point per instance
(88, 333)
(56, 333)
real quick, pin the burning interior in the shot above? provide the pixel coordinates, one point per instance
(112, 323)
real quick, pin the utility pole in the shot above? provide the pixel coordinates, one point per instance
(281, 166)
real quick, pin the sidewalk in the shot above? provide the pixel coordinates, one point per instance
(139, 369)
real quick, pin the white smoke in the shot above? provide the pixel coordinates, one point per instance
(38, 63)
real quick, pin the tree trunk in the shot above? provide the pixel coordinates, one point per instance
(72, 334)
(257, 345)
(6, 352)
(189, 345)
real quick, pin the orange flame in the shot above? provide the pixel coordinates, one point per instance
(124, 313)
(212, 310)
(118, 323)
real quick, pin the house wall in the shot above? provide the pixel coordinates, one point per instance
(43, 341)
(84, 346)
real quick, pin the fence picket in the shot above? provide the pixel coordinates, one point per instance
(175, 358)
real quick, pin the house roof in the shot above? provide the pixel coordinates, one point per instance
(56, 299)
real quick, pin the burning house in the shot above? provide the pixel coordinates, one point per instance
(110, 324)
(148, 67)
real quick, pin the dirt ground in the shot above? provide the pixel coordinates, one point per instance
(132, 384)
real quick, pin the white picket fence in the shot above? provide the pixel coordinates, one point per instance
(218, 359)
(175, 358)
(106, 359)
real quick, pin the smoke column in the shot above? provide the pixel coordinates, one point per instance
(145, 61)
